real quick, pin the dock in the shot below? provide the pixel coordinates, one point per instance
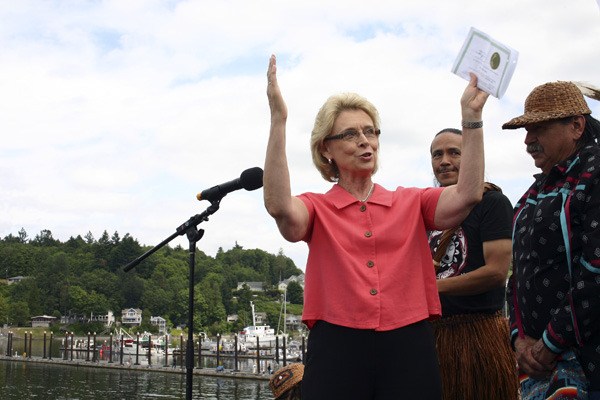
(80, 363)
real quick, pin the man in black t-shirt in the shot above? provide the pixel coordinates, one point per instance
(472, 262)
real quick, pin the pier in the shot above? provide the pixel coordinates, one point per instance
(81, 363)
(214, 360)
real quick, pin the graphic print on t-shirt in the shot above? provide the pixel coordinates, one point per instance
(455, 257)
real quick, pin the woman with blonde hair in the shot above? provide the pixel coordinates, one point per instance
(370, 290)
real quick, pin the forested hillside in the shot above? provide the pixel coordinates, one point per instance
(85, 275)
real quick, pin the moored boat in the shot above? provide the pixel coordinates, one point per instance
(263, 334)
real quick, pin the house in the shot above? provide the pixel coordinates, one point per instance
(293, 322)
(254, 286)
(161, 323)
(15, 279)
(232, 317)
(73, 319)
(299, 279)
(42, 321)
(108, 319)
(261, 317)
(131, 316)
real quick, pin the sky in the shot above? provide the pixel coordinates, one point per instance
(115, 114)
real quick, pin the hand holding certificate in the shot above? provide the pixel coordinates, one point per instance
(492, 62)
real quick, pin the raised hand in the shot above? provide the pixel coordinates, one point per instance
(276, 102)
(472, 101)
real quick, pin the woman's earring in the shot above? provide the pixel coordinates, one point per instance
(329, 160)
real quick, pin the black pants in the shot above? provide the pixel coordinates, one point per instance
(346, 363)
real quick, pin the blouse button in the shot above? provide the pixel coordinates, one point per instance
(368, 234)
(370, 264)
(363, 208)
(373, 292)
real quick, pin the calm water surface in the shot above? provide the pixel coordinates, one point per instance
(26, 380)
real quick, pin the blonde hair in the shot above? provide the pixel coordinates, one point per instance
(324, 121)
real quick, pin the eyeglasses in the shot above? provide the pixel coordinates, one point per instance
(354, 134)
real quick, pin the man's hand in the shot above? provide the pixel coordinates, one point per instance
(532, 360)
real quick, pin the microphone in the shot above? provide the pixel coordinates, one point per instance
(250, 179)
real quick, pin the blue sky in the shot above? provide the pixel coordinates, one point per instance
(115, 114)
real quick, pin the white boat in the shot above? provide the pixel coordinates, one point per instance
(290, 355)
(132, 347)
(162, 345)
(265, 334)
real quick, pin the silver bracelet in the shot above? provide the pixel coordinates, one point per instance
(472, 124)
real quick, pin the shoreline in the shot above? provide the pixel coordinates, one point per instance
(210, 372)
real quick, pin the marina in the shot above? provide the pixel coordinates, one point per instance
(210, 357)
(22, 379)
(40, 366)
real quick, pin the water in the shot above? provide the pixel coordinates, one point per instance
(30, 380)
(55, 381)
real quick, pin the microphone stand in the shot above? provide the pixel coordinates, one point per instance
(189, 228)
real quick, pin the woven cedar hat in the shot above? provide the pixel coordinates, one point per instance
(550, 101)
(285, 379)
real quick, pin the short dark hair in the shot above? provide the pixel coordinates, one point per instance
(450, 130)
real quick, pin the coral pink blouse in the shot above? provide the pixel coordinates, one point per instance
(369, 264)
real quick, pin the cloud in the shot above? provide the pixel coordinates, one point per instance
(115, 114)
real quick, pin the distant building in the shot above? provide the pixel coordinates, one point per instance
(299, 279)
(131, 316)
(232, 318)
(42, 321)
(261, 318)
(161, 323)
(15, 279)
(108, 319)
(72, 319)
(254, 286)
(293, 322)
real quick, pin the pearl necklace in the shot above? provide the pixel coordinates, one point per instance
(368, 194)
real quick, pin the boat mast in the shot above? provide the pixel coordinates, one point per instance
(253, 315)
(284, 308)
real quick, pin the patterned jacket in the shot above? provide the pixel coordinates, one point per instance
(554, 291)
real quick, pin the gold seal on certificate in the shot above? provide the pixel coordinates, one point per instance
(492, 62)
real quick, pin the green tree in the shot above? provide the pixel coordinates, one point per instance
(4, 309)
(18, 313)
(210, 290)
(131, 289)
(44, 238)
(295, 293)
(123, 251)
(84, 276)
(163, 287)
(28, 292)
(244, 296)
(89, 238)
(58, 271)
(22, 236)
(103, 282)
(115, 239)
(18, 259)
(76, 242)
